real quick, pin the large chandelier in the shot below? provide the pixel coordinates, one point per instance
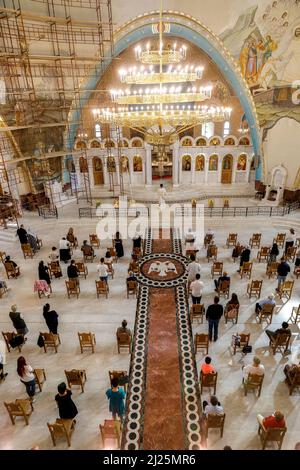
(167, 100)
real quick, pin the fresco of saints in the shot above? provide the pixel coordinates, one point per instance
(242, 163)
(200, 163)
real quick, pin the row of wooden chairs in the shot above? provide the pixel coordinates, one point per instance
(102, 288)
(231, 313)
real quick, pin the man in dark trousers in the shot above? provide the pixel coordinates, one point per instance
(213, 315)
(282, 271)
(22, 234)
(72, 272)
(245, 256)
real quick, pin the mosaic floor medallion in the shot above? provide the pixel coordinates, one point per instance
(163, 270)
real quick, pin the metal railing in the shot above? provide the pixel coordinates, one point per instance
(48, 212)
(92, 212)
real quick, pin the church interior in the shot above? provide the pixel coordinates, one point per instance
(149, 225)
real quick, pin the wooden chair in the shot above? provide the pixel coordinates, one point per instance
(224, 289)
(62, 428)
(72, 288)
(255, 240)
(50, 341)
(124, 341)
(113, 253)
(54, 269)
(110, 431)
(76, 377)
(7, 337)
(217, 269)
(272, 269)
(231, 240)
(137, 252)
(197, 311)
(291, 254)
(295, 316)
(19, 407)
(2, 256)
(201, 342)
(214, 421)
(132, 288)
(3, 290)
(254, 289)
(102, 288)
(208, 381)
(111, 271)
(27, 251)
(40, 377)
(280, 239)
(271, 435)
(266, 313)
(246, 269)
(286, 289)
(297, 271)
(244, 341)
(118, 374)
(94, 240)
(11, 271)
(231, 313)
(88, 255)
(263, 253)
(87, 340)
(82, 269)
(212, 253)
(134, 267)
(280, 343)
(207, 240)
(293, 381)
(253, 382)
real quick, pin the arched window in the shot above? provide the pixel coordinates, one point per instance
(95, 144)
(98, 131)
(229, 141)
(200, 163)
(187, 142)
(213, 163)
(136, 143)
(244, 141)
(208, 129)
(186, 163)
(226, 130)
(201, 142)
(215, 141)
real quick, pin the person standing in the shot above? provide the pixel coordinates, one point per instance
(213, 314)
(3, 374)
(22, 234)
(51, 318)
(196, 289)
(18, 321)
(27, 377)
(161, 194)
(66, 407)
(290, 240)
(193, 268)
(282, 271)
(119, 245)
(116, 398)
(273, 253)
(245, 256)
(64, 250)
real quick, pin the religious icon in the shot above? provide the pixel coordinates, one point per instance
(242, 163)
(137, 164)
(227, 163)
(83, 166)
(200, 163)
(186, 163)
(213, 163)
(124, 164)
(111, 165)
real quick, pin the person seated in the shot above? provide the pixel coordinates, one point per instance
(71, 237)
(225, 277)
(236, 252)
(102, 270)
(214, 407)
(233, 301)
(87, 249)
(276, 420)
(131, 277)
(123, 329)
(137, 241)
(3, 287)
(53, 255)
(256, 368)
(108, 258)
(272, 335)
(273, 253)
(33, 240)
(9, 261)
(196, 289)
(73, 272)
(133, 265)
(207, 368)
(269, 301)
(245, 256)
(210, 233)
(290, 370)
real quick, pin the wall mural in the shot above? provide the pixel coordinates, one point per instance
(265, 41)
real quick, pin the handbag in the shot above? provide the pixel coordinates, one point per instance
(247, 349)
(40, 341)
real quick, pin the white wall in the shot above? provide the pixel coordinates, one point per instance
(282, 147)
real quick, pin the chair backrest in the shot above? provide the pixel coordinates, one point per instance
(232, 237)
(215, 420)
(208, 238)
(27, 248)
(273, 267)
(116, 374)
(287, 285)
(291, 251)
(267, 309)
(109, 430)
(201, 339)
(73, 376)
(275, 434)
(71, 285)
(85, 338)
(53, 266)
(256, 284)
(2, 256)
(254, 380)
(57, 430)
(93, 238)
(209, 380)
(112, 251)
(132, 285)
(49, 338)
(247, 266)
(124, 338)
(218, 266)
(245, 338)
(264, 250)
(80, 266)
(224, 286)
(256, 237)
(9, 267)
(280, 237)
(282, 339)
(198, 309)
(101, 285)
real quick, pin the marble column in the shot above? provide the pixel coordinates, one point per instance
(176, 160)
(148, 165)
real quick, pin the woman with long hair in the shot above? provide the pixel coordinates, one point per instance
(118, 245)
(51, 318)
(27, 377)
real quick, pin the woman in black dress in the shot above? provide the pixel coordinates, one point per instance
(119, 245)
(66, 407)
(44, 273)
(51, 318)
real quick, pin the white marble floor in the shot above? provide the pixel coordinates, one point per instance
(103, 316)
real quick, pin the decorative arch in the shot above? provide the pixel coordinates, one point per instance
(109, 143)
(137, 142)
(214, 141)
(191, 29)
(201, 142)
(80, 145)
(244, 141)
(94, 144)
(230, 140)
(124, 164)
(187, 142)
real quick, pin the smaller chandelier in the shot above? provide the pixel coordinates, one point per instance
(147, 75)
(171, 55)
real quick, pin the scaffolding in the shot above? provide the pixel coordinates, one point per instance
(43, 90)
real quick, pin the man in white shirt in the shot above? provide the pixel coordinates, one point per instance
(102, 270)
(213, 407)
(290, 240)
(190, 236)
(193, 269)
(196, 289)
(269, 301)
(256, 368)
(162, 194)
